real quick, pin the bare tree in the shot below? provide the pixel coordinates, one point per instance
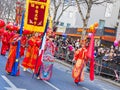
(88, 4)
(7, 9)
(59, 6)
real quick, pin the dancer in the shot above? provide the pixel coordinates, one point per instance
(32, 52)
(45, 70)
(12, 54)
(80, 57)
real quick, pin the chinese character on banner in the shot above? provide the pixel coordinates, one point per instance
(36, 15)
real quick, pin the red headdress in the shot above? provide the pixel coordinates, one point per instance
(10, 26)
(2, 23)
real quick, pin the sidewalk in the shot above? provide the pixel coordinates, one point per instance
(98, 77)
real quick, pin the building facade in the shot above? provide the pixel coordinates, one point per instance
(108, 15)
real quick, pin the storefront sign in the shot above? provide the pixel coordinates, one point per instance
(109, 31)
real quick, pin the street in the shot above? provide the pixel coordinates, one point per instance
(82, 31)
(61, 80)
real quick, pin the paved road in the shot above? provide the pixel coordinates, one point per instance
(61, 80)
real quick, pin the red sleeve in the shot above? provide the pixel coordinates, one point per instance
(4, 40)
(38, 43)
(30, 42)
(76, 54)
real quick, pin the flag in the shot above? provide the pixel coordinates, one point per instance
(16, 68)
(36, 15)
(41, 51)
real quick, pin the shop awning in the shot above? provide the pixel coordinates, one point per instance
(75, 35)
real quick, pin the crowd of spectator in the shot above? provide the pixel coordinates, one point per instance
(107, 59)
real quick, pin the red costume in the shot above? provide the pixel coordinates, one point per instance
(4, 43)
(78, 70)
(12, 53)
(44, 71)
(32, 53)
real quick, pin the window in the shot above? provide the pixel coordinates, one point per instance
(68, 24)
(57, 23)
(101, 24)
(61, 24)
(109, 8)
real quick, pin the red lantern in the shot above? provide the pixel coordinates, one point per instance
(2, 23)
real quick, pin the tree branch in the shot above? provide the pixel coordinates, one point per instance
(79, 9)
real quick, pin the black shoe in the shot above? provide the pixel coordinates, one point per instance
(77, 83)
(2, 54)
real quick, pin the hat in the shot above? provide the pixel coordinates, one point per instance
(10, 26)
(2, 23)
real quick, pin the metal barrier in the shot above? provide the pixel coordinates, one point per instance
(107, 69)
(102, 68)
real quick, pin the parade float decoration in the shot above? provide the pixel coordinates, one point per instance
(90, 53)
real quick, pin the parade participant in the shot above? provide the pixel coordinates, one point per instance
(23, 45)
(2, 24)
(80, 57)
(11, 30)
(45, 71)
(4, 43)
(32, 52)
(12, 53)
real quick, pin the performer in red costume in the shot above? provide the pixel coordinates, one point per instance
(32, 52)
(2, 24)
(45, 71)
(80, 57)
(12, 53)
(4, 43)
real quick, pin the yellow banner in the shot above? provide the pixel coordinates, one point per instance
(36, 15)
